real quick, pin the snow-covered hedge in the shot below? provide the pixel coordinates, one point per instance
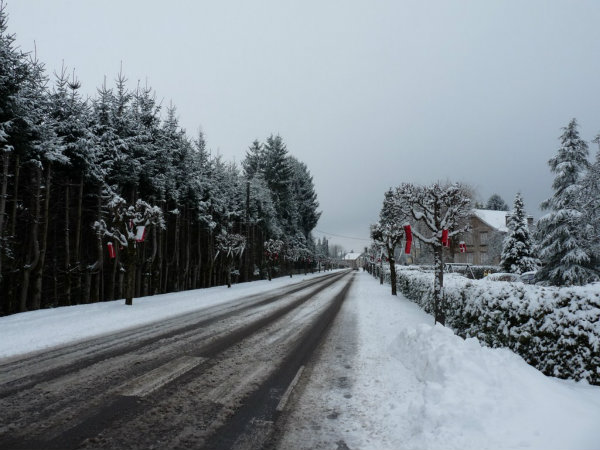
(554, 329)
(478, 271)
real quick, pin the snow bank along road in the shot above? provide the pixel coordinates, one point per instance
(213, 378)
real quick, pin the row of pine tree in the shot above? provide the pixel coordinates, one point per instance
(107, 197)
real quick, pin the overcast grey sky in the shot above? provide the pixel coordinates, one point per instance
(367, 93)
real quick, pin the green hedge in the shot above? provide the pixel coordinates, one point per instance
(557, 330)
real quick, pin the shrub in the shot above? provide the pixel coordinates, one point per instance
(557, 330)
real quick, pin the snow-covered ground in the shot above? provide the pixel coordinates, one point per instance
(388, 378)
(37, 330)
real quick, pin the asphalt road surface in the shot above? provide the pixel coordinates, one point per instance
(218, 378)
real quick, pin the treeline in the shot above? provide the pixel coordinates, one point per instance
(107, 197)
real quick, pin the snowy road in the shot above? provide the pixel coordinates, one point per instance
(372, 372)
(386, 378)
(214, 377)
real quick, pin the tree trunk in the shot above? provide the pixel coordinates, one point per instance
(199, 249)
(438, 286)
(97, 293)
(3, 198)
(13, 226)
(39, 271)
(77, 248)
(186, 266)
(438, 282)
(157, 263)
(34, 249)
(212, 260)
(167, 262)
(228, 268)
(67, 300)
(113, 275)
(130, 257)
(392, 271)
(13, 285)
(175, 261)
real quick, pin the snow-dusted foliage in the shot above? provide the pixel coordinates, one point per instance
(59, 156)
(442, 209)
(564, 235)
(554, 329)
(273, 249)
(273, 254)
(125, 219)
(591, 200)
(127, 228)
(289, 186)
(230, 246)
(496, 203)
(388, 233)
(518, 248)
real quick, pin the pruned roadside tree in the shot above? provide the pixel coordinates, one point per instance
(389, 232)
(442, 209)
(127, 225)
(230, 246)
(518, 255)
(273, 249)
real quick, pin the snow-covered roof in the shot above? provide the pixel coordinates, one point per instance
(352, 256)
(495, 219)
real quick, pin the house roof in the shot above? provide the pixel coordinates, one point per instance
(352, 256)
(495, 219)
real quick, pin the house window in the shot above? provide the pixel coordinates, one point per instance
(483, 256)
(483, 237)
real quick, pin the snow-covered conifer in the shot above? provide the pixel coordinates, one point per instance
(591, 200)
(254, 162)
(305, 197)
(564, 236)
(518, 248)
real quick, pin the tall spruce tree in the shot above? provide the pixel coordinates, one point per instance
(563, 234)
(591, 199)
(518, 248)
(278, 175)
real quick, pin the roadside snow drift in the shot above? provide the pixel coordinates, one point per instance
(37, 330)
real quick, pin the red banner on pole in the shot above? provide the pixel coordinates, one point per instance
(408, 235)
(408, 232)
(445, 241)
(111, 250)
